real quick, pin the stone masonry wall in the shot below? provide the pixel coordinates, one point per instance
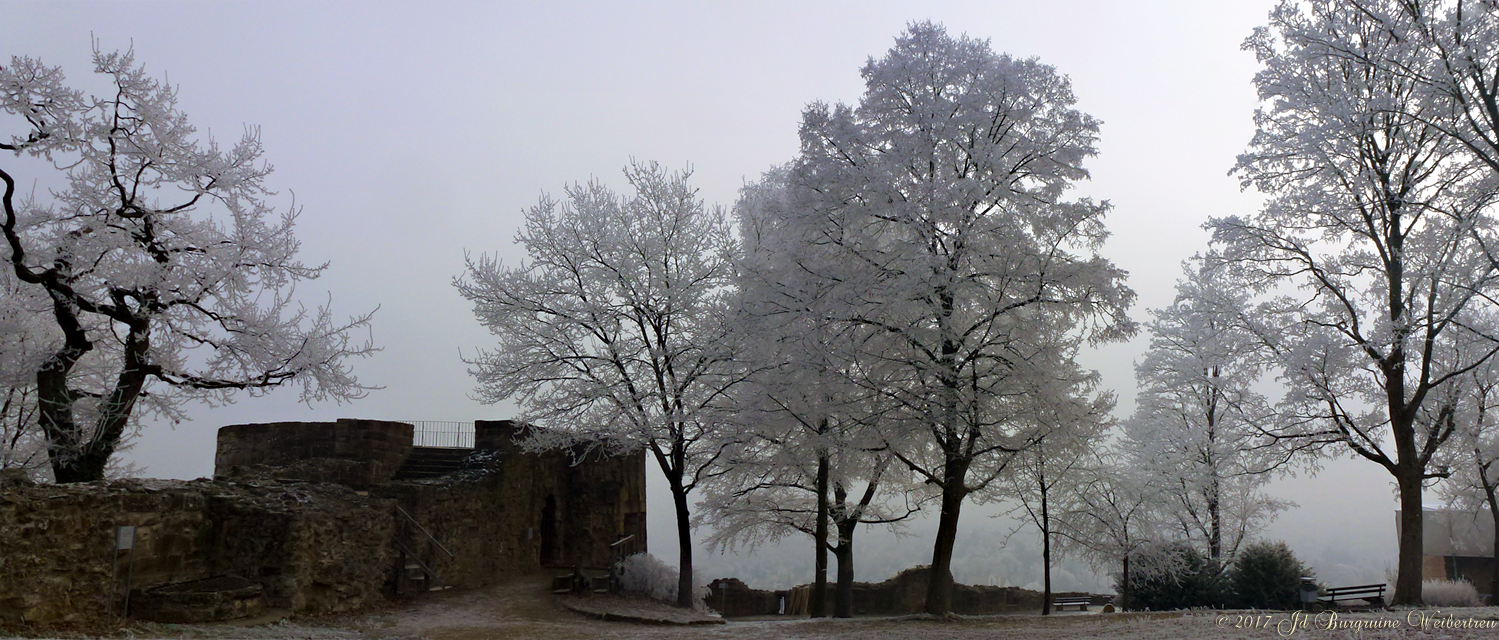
(902, 594)
(314, 548)
(58, 542)
(597, 501)
(285, 511)
(490, 516)
(377, 446)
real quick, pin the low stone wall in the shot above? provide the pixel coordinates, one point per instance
(902, 594)
(314, 548)
(905, 593)
(320, 451)
(731, 598)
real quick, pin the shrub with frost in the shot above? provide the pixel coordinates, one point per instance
(643, 573)
(1450, 593)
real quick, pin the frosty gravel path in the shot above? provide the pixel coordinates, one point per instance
(524, 609)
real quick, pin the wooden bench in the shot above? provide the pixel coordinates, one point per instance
(1372, 593)
(1081, 602)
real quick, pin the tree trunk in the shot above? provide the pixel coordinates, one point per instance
(1215, 518)
(818, 603)
(1494, 574)
(684, 541)
(55, 398)
(1408, 576)
(55, 415)
(1124, 602)
(939, 584)
(1045, 552)
(843, 595)
(1489, 494)
(1214, 488)
(90, 457)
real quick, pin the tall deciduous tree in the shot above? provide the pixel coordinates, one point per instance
(1383, 223)
(617, 330)
(808, 460)
(1199, 424)
(937, 207)
(168, 271)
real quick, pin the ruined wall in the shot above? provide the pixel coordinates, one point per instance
(493, 515)
(731, 598)
(317, 451)
(903, 594)
(58, 542)
(315, 548)
(284, 512)
(596, 500)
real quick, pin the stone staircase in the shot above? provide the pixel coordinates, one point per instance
(431, 462)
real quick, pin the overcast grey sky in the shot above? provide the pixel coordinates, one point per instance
(413, 134)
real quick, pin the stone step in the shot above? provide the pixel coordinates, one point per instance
(431, 462)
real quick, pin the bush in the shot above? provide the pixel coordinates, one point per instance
(1173, 575)
(642, 573)
(1450, 593)
(1266, 575)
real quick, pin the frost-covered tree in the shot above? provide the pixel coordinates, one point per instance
(23, 332)
(1450, 49)
(1377, 231)
(168, 271)
(1199, 423)
(1471, 407)
(937, 206)
(1045, 477)
(616, 333)
(1112, 517)
(807, 460)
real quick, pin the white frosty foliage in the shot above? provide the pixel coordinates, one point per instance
(642, 573)
(169, 271)
(1199, 425)
(1376, 239)
(23, 333)
(937, 208)
(1450, 593)
(615, 333)
(1160, 561)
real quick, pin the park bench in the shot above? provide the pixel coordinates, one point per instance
(1081, 602)
(1372, 593)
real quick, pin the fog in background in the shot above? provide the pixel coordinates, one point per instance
(413, 135)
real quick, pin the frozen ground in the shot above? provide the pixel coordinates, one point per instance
(524, 609)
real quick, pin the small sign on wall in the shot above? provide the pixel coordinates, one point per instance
(124, 538)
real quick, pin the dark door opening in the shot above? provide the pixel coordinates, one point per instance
(551, 552)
